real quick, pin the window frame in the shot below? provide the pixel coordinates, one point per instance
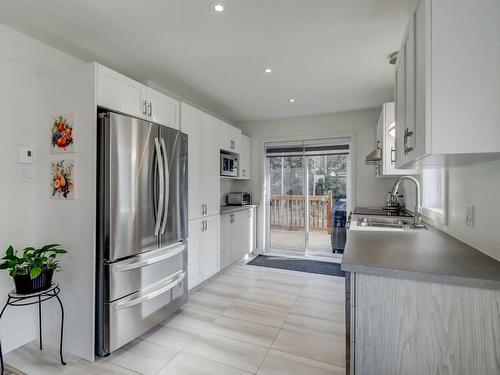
(437, 216)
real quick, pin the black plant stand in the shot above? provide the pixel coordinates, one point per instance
(15, 299)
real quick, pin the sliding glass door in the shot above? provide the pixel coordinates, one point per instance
(307, 194)
(287, 203)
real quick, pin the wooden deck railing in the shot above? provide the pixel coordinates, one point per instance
(288, 212)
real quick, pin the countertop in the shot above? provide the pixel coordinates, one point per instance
(229, 209)
(427, 255)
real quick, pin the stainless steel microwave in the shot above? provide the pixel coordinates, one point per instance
(228, 165)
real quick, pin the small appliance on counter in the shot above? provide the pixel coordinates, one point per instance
(228, 165)
(239, 199)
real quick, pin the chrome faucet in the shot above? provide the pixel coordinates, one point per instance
(417, 213)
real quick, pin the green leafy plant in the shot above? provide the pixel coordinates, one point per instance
(32, 261)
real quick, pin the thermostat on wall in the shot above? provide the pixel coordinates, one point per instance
(25, 155)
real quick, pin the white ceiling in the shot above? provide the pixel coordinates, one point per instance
(330, 55)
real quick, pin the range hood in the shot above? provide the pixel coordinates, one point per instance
(374, 157)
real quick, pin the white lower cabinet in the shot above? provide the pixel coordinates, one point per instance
(203, 249)
(237, 235)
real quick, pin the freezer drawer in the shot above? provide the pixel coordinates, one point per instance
(141, 271)
(131, 316)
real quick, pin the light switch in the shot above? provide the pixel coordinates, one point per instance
(25, 155)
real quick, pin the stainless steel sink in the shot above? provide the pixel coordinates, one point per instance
(389, 223)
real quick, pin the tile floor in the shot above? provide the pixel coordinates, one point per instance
(248, 320)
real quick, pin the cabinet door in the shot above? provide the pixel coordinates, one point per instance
(211, 164)
(400, 107)
(242, 234)
(410, 99)
(236, 139)
(117, 92)
(195, 271)
(225, 136)
(245, 158)
(211, 246)
(163, 109)
(191, 125)
(226, 232)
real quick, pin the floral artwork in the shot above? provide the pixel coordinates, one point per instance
(62, 133)
(62, 179)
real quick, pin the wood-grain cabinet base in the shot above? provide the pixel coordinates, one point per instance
(415, 327)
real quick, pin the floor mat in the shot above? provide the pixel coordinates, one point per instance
(295, 264)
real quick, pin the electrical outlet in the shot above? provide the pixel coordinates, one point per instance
(469, 216)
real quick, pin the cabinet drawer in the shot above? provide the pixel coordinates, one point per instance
(142, 271)
(131, 316)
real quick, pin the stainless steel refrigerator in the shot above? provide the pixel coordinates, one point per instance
(141, 262)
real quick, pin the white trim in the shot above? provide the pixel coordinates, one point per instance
(433, 215)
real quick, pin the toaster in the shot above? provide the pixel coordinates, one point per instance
(239, 199)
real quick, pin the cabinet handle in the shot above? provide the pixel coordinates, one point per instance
(203, 209)
(144, 107)
(244, 172)
(206, 209)
(407, 135)
(206, 225)
(150, 109)
(393, 155)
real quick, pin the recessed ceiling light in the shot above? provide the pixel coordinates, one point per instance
(218, 7)
(268, 70)
(291, 100)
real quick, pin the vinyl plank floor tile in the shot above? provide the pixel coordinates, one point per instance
(188, 364)
(142, 356)
(312, 347)
(322, 310)
(243, 330)
(256, 315)
(176, 337)
(194, 318)
(280, 363)
(314, 326)
(228, 351)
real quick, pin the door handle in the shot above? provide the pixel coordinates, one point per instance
(161, 187)
(125, 305)
(150, 109)
(167, 185)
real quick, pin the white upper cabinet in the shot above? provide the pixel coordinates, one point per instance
(447, 85)
(230, 138)
(162, 109)
(386, 130)
(122, 94)
(245, 158)
(119, 93)
(203, 161)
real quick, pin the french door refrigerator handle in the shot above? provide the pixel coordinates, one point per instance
(153, 294)
(167, 184)
(161, 187)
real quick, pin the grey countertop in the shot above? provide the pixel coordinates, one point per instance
(229, 209)
(428, 255)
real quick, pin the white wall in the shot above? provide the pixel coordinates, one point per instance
(360, 125)
(473, 185)
(22, 61)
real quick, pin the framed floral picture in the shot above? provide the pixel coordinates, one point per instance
(62, 133)
(63, 179)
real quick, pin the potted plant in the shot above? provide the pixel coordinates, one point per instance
(33, 270)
